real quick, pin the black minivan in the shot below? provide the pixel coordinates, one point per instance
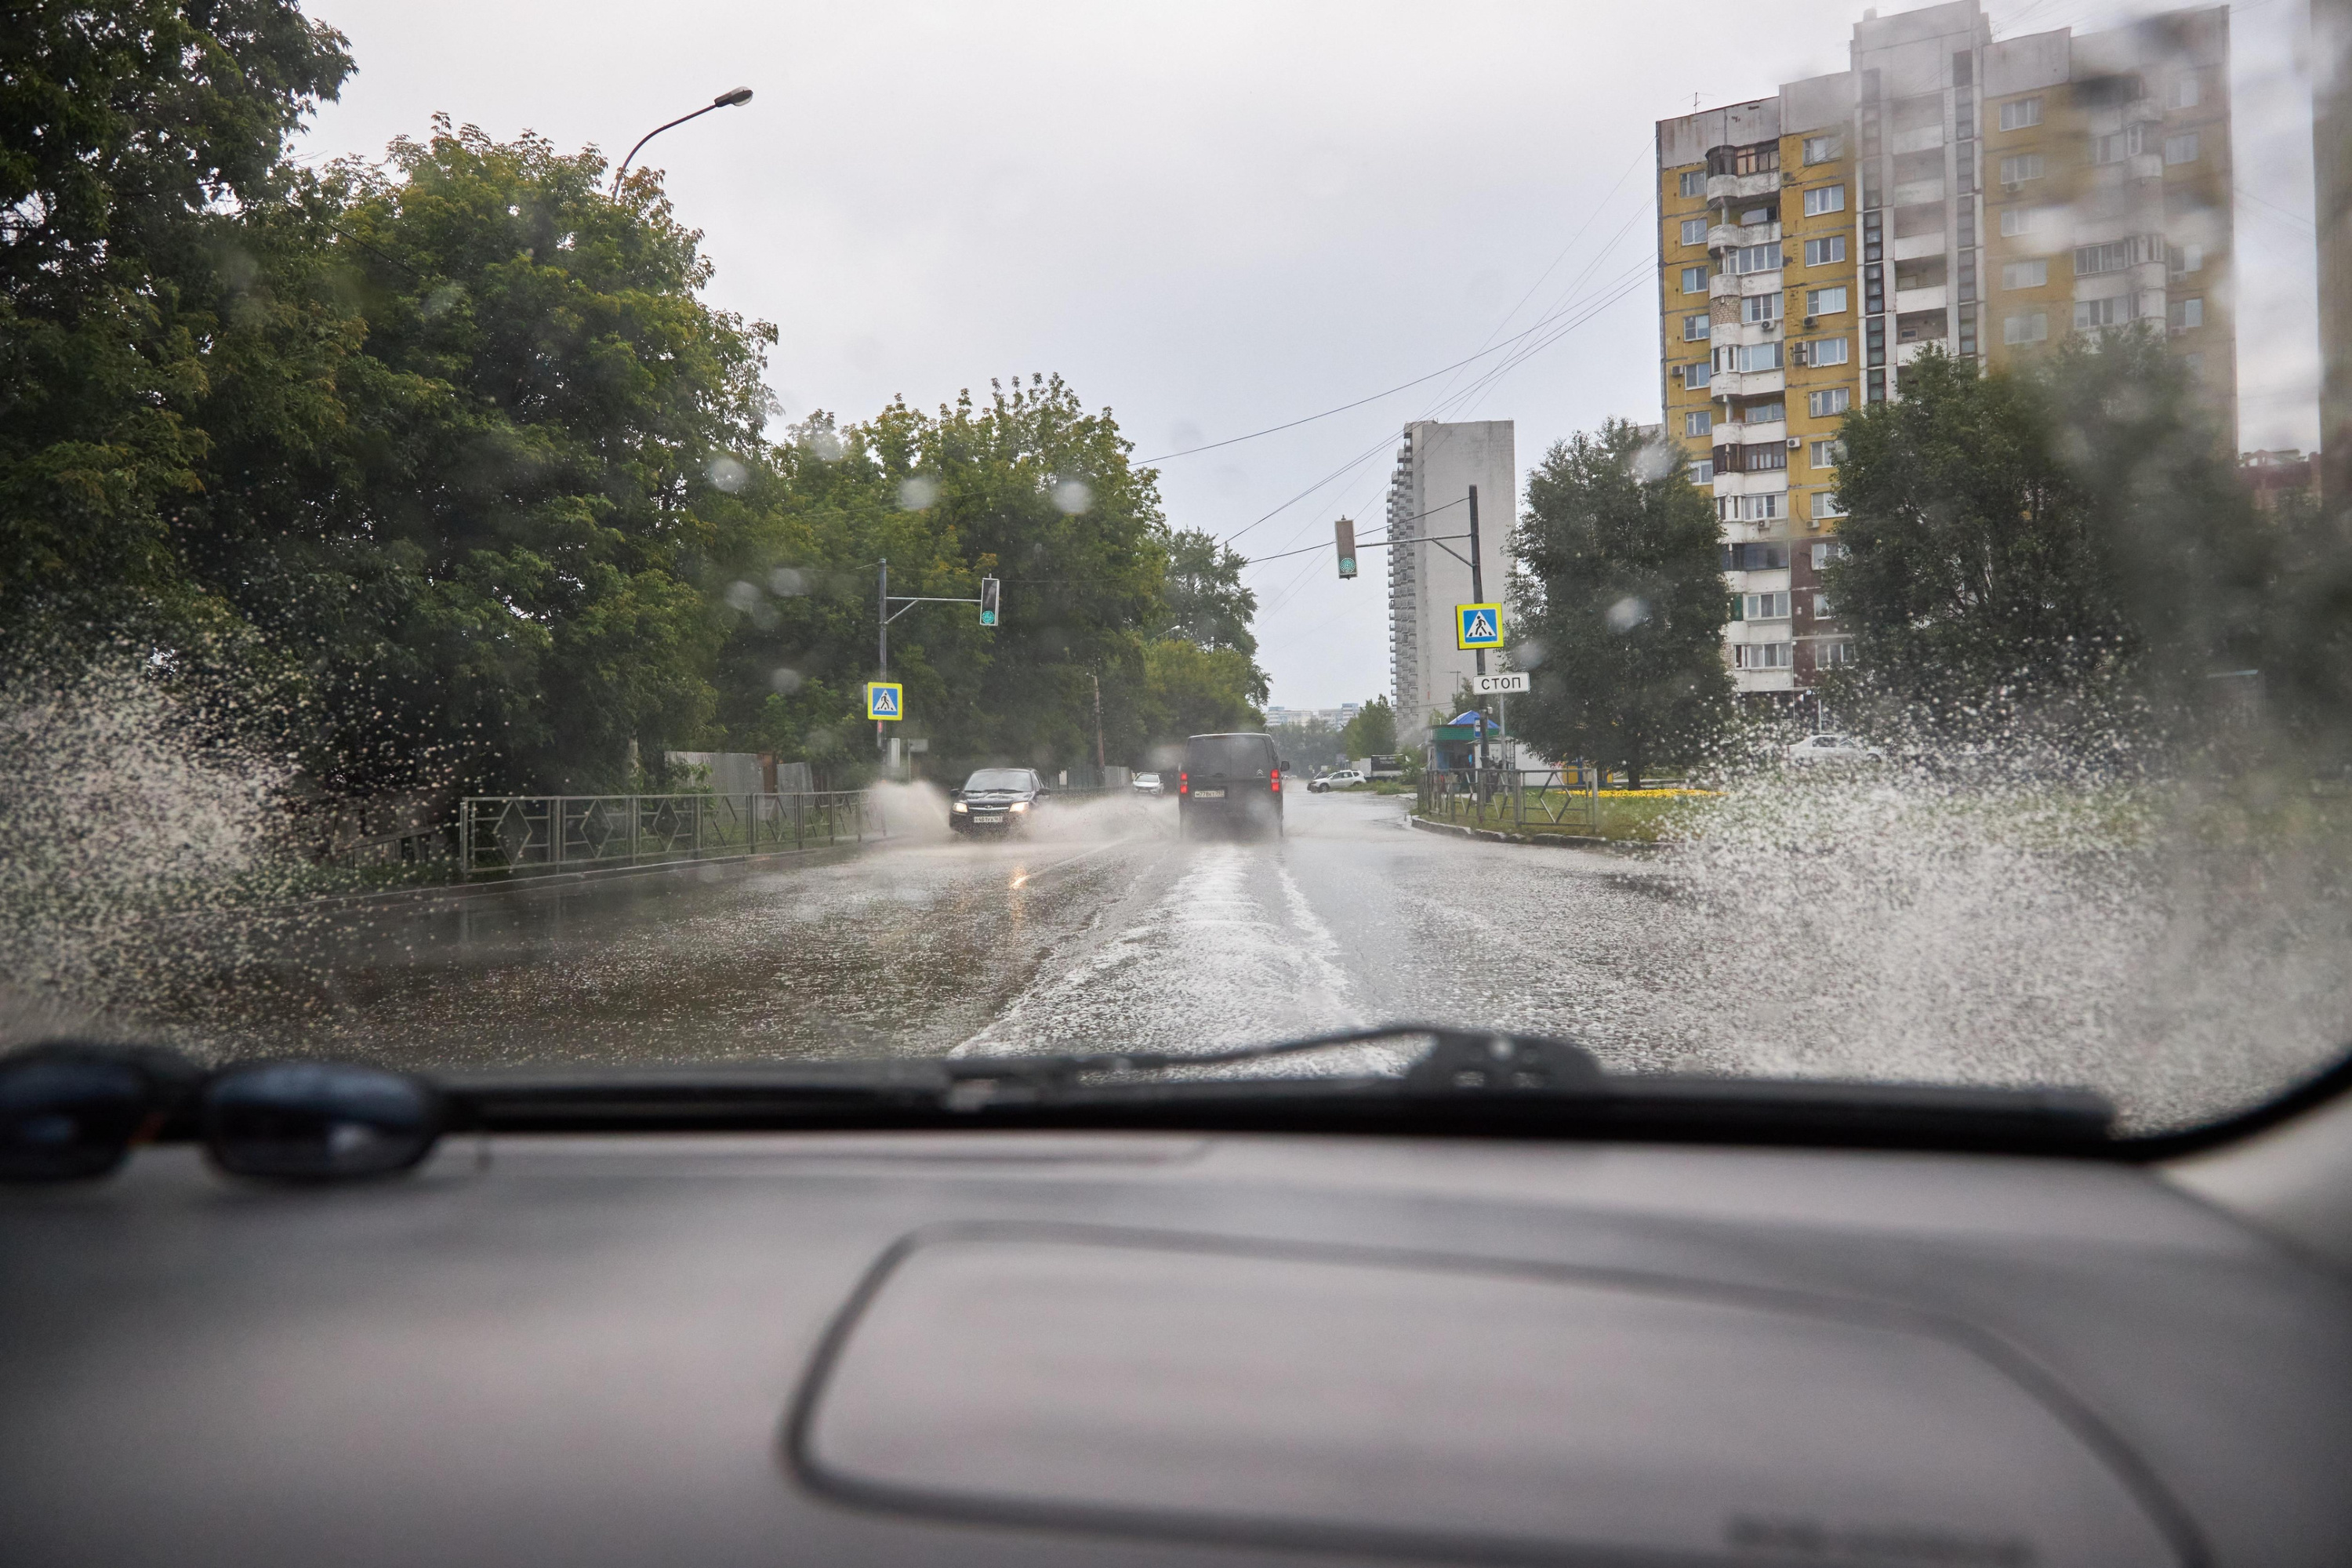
(1232, 781)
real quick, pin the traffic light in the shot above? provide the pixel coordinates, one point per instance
(1344, 531)
(988, 600)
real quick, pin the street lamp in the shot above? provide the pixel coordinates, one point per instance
(727, 99)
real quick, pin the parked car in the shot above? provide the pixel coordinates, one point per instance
(1834, 749)
(1147, 783)
(1344, 779)
(1232, 781)
(997, 800)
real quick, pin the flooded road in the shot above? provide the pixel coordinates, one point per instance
(1895, 954)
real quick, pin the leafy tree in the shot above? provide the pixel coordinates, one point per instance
(2067, 533)
(1372, 732)
(1193, 691)
(1619, 604)
(1207, 604)
(139, 144)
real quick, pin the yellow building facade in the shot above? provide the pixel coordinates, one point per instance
(1982, 196)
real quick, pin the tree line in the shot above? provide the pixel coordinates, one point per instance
(2063, 549)
(441, 470)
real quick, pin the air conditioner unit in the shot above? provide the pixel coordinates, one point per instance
(1795, 442)
(1809, 320)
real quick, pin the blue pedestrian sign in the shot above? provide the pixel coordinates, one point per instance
(885, 699)
(1478, 626)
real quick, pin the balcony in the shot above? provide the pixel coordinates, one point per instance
(1918, 141)
(1742, 187)
(1748, 383)
(2147, 167)
(1930, 298)
(1912, 247)
(1911, 192)
(1727, 236)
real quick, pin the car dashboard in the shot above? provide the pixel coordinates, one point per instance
(1165, 1348)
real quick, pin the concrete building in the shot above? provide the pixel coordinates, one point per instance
(2331, 142)
(1428, 521)
(1985, 196)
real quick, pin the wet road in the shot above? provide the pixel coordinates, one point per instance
(1881, 950)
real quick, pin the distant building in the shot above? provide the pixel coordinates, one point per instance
(1333, 718)
(2273, 476)
(1429, 571)
(2331, 139)
(1985, 196)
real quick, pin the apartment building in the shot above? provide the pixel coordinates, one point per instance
(1429, 573)
(1986, 196)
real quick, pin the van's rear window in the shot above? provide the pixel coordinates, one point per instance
(1231, 756)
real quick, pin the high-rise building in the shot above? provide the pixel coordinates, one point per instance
(1429, 550)
(1984, 196)
(2331, 139)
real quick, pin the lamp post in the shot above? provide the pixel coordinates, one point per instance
(727, 99)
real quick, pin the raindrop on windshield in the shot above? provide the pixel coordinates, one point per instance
(1628, 613)
(917, 493)
(727, 473)
(1072, 496)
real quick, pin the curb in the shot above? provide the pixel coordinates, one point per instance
(467, 892)
(1546, 840)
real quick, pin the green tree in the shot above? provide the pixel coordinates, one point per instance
(1619, 604)
(2035, 541)
(141, 156)
(1372, 732)
(1207, 604)
(1193, 691)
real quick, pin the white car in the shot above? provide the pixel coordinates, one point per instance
(1339, 780)
(1147, 784)
(1834, 749)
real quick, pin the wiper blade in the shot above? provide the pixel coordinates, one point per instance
(1460, 1061)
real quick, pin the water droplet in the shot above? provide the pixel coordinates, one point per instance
(918, 493)
(1628, 613)
(785, 679)
(785, 583)
(1072, 496)
(727, 473)
(742, 597)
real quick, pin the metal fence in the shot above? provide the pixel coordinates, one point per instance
(509, 833)
(1552, 800)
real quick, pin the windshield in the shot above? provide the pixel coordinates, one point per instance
(1836, 560)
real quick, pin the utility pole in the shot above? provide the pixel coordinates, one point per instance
(1099, 746)
(882, 617)
(1478, 596)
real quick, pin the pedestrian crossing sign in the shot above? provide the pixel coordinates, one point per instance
(885, 699)
(1478, 626)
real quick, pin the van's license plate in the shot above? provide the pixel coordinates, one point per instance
(1208, 794)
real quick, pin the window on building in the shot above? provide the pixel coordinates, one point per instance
(2023, 167)
(1758, 357)
(1826, 504)
(2184, 314)
(2032, 274)
(1834, 653)
(1827, 350)
(1827, 251)
(1755, 258)
(2180, 149)
(1755, 308)
(1738, 607)
(1821, 611)
(1827, 551)
(2033, 327)
(1694, 182)
(2117, 146)
(1693, 279)
(1767, 413)
(1755, 557)
(1698, 375)
(1824, 199)
(1695, 329)
(2113, 256)
(2180, 260)
(2180, 92)
(2018, 113)
(1828, 402)
(1826, 149)
(1826, 454)
(1703, 471)
(1693, 231)
(1764, 607)
(1763, 655)
(1765, 457)
(2112, 311)
(1698, 422)
(2015, 221)
(1825, 301)
(1752, 508)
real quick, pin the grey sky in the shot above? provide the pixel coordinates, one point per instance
(1214, 218)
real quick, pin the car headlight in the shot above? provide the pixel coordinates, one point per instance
(1019, 805)
(959, 806)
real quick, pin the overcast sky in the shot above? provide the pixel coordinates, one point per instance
(1216, 218)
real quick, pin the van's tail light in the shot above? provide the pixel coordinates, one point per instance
(1276, 776)
(1183, 783)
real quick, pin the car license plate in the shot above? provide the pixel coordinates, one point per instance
(1208, 794)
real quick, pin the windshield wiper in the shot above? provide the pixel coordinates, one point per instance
(1482, 1083)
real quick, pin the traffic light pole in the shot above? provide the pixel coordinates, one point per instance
(885, 614)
